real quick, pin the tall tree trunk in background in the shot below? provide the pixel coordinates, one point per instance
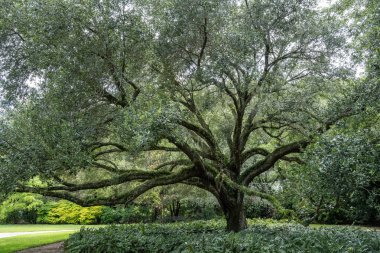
(174, 208)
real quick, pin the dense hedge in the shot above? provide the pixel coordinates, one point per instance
(211, 237)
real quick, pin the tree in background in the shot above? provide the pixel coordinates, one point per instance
(107, 100)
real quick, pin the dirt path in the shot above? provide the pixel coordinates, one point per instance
(50, 248)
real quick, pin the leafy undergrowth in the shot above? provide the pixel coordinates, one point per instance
(211, 237)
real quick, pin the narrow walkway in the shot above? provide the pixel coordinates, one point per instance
(50, 248)
(5, 235)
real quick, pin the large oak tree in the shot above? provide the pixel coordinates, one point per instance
(99, 95)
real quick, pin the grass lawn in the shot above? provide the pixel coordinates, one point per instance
(39, 227)
(12, 244)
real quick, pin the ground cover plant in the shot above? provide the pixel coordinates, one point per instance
(212, 237)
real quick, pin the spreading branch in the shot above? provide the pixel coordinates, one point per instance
(248, 175)
(153, 179)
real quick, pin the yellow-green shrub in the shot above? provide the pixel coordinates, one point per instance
(65, 212)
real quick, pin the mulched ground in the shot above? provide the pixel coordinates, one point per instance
(50, 248)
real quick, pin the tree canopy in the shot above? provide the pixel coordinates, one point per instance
(130, 95)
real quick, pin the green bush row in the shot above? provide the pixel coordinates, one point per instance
(211, 237)
(31, 208)
(65, 212)
(28, 208)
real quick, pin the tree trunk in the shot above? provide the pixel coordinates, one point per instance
(156, 213)
(174, 208)
(236, 220)
(234, 213)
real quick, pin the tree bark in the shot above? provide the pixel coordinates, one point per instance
(234, 213)
(236, 220)
(174, 208)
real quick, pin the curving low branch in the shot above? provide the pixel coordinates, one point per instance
(154, 180)
(123, 178)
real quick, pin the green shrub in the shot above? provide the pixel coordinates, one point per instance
(200, 210)
(110, 215)
(44, 210)
(210, 237)
(135, 213)
(20, 208)
(129, 214)
(259, 208)
(65, 212)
